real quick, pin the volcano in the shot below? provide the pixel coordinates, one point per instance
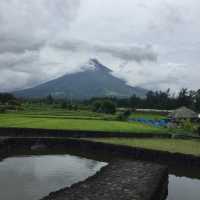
(96, 80)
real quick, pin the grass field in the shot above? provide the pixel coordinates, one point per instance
(171, 145)
(63, 122)
(52, 111)
(154, 116)
(53, 117)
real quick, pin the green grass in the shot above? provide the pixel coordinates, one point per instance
(52, 117)
(53, 111)
(191, 147)
(52, 122)
(148, 116)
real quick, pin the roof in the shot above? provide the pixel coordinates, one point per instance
(183, 112)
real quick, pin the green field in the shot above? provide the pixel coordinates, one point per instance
(53, 111)
(53, 117)
(171, 145)
(63, 122)
(154, 116)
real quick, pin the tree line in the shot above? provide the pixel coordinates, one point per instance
(153, 100)
(164, 100)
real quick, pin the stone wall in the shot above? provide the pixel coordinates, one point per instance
(120, 180)
(102, 148)
(30, 132)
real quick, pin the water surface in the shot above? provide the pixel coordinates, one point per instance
(33, 177)
(183, 188)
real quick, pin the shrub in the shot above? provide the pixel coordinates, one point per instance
(96, 106)
(105, 106)
(187, 125)
(75, 107)
(124, 115)
(199, 131)
(2, 109)
(64, 105)
(108, 107)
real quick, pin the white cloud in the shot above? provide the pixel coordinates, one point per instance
(153, 44)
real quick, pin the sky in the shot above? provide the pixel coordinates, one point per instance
(153, 44)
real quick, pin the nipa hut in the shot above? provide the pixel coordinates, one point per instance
(183, 113)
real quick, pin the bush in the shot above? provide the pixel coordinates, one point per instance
(199, 131)
(105, 106)
(108, 107)
(75, 107)
(64, 105)
(187, 125)
(96, 106)
(124, 115)
(2, 109)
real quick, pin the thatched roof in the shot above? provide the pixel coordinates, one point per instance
(183, 113)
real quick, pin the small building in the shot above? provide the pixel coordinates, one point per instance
(183, 113)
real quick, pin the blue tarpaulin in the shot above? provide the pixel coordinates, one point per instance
(158, 123)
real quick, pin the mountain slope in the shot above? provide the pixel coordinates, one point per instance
(95, 82)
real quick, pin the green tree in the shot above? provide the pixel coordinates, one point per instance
(64, 105)
(108, 107)
(124, 115)
(185, 98)
(49, 99)
(197, 101)
(104, 106)
(97, 106)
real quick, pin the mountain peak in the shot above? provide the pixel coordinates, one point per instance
(94, 61)
(96, 65)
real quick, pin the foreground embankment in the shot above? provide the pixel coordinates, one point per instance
(33, 132)
(114, 150)
(120, 180)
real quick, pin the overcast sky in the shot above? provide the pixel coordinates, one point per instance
(150, 43)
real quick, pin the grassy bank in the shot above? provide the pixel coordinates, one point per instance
(191, 147)
(63, 122)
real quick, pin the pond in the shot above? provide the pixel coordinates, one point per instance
(183, 188)
(34, 177)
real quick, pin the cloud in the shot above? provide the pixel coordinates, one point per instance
(152, 44)
(26, 27)
(160, 75)
(14, 61)
(125, 52)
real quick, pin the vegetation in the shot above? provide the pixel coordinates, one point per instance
(102, 115)
(74, 123)
(124, 115)
(171, 145)
(159, 100)
(96, 114)
(104, 106)
(153, 116)
(9, 102)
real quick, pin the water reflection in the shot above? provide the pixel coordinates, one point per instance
(36, 176)
(183, 188)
